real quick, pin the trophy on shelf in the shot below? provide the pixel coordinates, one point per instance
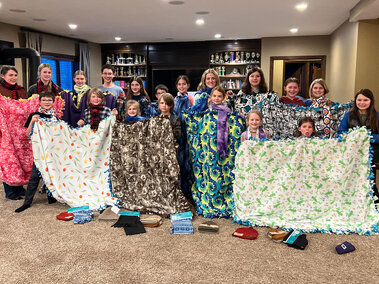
(129, 59)
(223, 70)
(120, 60)
(212, 58)
(230, 84)
(140, 59)
(217, 60)
(226, 57)
(231, 57)
(143, 60)
(247, 57)
(134, 70)
(258, 56)
(253, 57)
(130, 71)
(113, 62)
(136, 60)
(108, 60)
(121, 71)
(242, 57)
(237, 57)
(221, 59)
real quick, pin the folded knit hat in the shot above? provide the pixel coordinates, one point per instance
(345, 247)
(246, 233)
(208, 227)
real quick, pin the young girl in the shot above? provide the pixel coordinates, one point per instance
(166, 108)
(133, 111)
(73, 99)
(255, 130)
(44, 83)
(305, 128)
(183, 100)
(96, 110)
(137, 92)
(363, 113)
(318, 90)
(291, 90)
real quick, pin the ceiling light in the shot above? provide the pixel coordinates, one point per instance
(117, 38)
(17, 10)
(217, 35)
(202, 13)
(294, 30)
(72, 26)
(39, 20)
(176, 2)
(1, 4)
(200, 22)
(301, 6)
(236, 42)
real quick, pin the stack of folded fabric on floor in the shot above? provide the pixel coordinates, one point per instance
(151, 220)
(81, 214)
(181, 223)
(109, 214)
(208, 227)
(131, 223)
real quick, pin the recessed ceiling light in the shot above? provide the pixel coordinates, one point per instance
(176, 2)
(72, 26)
(235, 42)
(117, 38)
(294, 30)
(1, 4)
(39, 20)
(17, 10)
(301, 6)
(202, 13)
(217, 35)
(200, 22)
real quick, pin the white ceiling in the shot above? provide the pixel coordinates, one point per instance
(155, 20)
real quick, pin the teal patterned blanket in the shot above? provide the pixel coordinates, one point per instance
(308, 184)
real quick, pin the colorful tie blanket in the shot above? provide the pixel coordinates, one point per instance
(307, 184)
(144, 167)
(16, 155)
(212, 190)
(74, 163)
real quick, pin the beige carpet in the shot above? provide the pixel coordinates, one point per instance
(37, 248)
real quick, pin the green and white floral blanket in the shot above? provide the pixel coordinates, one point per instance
(307, 184)
(74, 163)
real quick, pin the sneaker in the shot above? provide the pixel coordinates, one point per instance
(276, 235)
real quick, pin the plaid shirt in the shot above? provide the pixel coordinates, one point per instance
(103, 114)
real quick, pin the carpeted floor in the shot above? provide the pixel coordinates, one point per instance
(38, 248)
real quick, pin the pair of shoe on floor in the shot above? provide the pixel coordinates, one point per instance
(24, 206)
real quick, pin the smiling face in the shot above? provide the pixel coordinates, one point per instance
(80, 80)
(10, 77)
(254, 121)
(363, 103)
(318, 91)
(210, 80)
(182, 86)
(292, 90)
(164, 108)
(46, 74)
(95, 99)
(135, 87)
(306, 129)
(255, 79)
(46, 102)
(107, 76)
(132, 110)
(217, 98)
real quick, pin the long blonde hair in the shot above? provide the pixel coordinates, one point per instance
(202, 84)
(49, 85)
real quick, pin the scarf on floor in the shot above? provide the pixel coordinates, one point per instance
(42, 87)
(95, 115)
(222, 129)
(14, 88)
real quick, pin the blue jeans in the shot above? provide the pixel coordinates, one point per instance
(17, 190)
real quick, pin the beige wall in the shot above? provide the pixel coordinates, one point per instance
(294, 46)
(10, 33)
(343, 52)
(95, 68)
(367, 68)
(277, 77)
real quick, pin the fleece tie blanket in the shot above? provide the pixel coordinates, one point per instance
(307, 184)
(144, 167)
(74, 163)
(16, 155)
(212, 190)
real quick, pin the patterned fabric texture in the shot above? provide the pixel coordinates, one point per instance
(212, 190)
(16, 155)
(74, 163)
(281, 120)
(144, 167)
(307, 184)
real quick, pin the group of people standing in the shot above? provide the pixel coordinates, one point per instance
(84, 105)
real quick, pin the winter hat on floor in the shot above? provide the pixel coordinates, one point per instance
(65, 216)
(345, 247)
(246, 233)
